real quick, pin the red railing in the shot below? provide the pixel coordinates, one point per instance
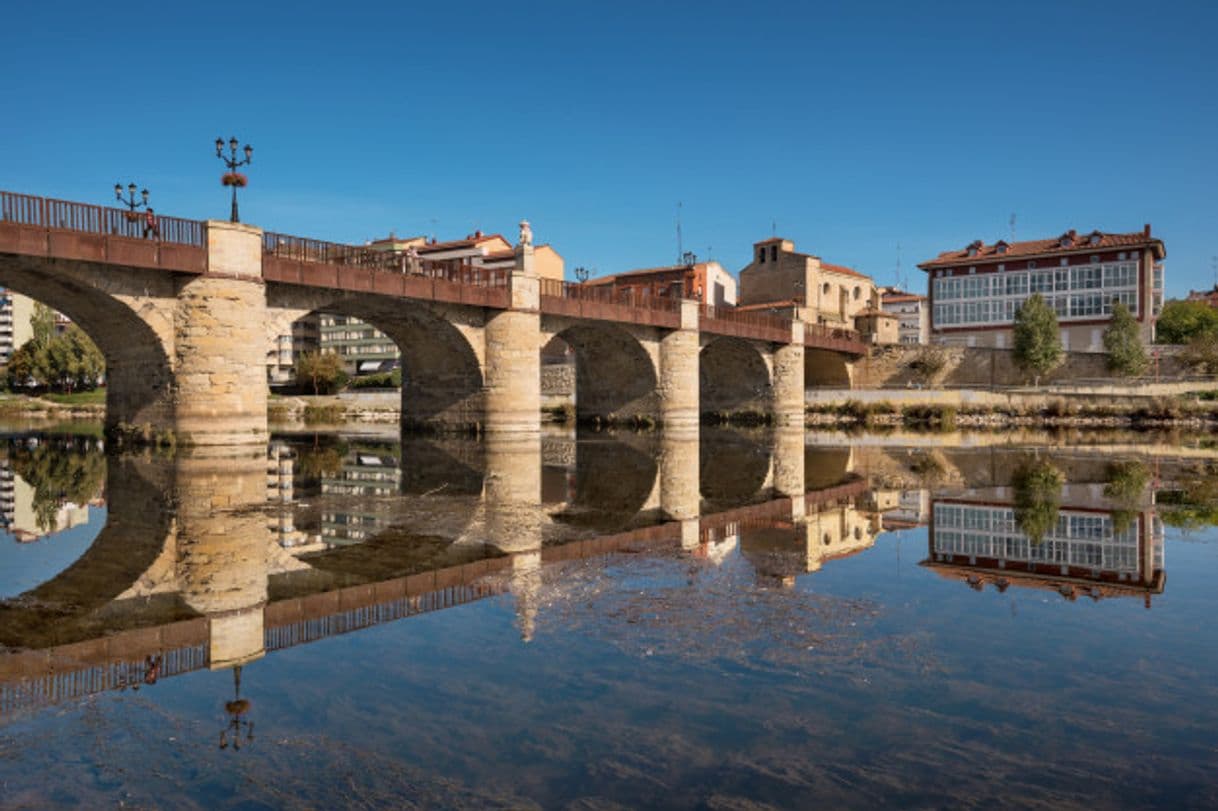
(746, 324)
(41, 212)
(557, 288)
(606, 304)
(841, 339)
(303, 249)
(838, 333)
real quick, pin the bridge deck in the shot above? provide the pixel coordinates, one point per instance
(59, 229)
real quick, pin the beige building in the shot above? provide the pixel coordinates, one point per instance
(16, 311)
(782, 280)
(913, 315)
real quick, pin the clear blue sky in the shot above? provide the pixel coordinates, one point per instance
(853, 126)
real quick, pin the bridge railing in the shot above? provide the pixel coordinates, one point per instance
(313, 251)
(821, 333)
(744, 324)
(63, 215)
(606, 304)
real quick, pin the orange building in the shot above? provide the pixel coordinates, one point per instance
(706, 282)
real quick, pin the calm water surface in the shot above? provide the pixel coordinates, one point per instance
(624, 621)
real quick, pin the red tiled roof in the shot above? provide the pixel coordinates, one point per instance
(842, 269)
(1040, 247)
(468, 242)
(770, 305)
(641, 272)
(894, 298)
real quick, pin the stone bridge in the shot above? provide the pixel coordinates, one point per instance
(185, 321)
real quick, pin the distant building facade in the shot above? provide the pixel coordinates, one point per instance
(16, 313)
(781, 280)
(825, 293)
(974, 292)
(1209, 297)
(706, 282)
(913, 316)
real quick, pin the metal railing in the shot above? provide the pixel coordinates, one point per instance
(831, 333)
(604, 294)
(303, 249)
(42, 212)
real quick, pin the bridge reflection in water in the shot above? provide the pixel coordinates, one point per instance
(217, 556)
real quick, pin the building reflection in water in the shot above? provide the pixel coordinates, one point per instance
(1088, 552)
(203, 563)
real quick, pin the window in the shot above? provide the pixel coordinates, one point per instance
(1085, 278)
(1095, 260)
(826, 288)
(857, 293)
(773, 253)
(1031, 264)
(761, 255)
(1017, 284)
(1041, 281)
(1061, 280)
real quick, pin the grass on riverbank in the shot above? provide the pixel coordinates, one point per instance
(77, 398)
(1156, 412)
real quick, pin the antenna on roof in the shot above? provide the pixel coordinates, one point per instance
(1012, 226)
(773, 228)
(680, 247)
(900, 278)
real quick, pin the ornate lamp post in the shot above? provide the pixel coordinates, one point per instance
(130, 202)
(232, 177)
(236, 710)
(582, 274)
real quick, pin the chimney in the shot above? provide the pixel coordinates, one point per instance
(1146, 230)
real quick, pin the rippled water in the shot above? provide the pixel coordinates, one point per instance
(621, 621)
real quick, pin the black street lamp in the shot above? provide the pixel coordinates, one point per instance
(582, 273)
(131, 203)
(232, 177)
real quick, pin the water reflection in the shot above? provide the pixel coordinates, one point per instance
(217, 558)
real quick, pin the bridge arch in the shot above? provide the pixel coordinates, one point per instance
(734, 377)
(138, 528)
(441, 349)
(826, 368)
(615, 374)
(123, 312)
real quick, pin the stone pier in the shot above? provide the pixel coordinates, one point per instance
(679, 379)
(513, 355)
(787, 458)
(680, 491)
(219, 389)
(223, 540)
(789, 379)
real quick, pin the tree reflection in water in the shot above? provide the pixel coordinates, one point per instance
(61, 470)
(1038, 497)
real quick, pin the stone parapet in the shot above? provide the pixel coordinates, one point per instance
(234, 249)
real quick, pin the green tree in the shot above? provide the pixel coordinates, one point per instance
(59, 471)
(1038, 345)
(1126, 488)
(61, 362)
(1123, 343)
(1038, 498)
(1182, 321)
(324, 372)
(42, 322)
